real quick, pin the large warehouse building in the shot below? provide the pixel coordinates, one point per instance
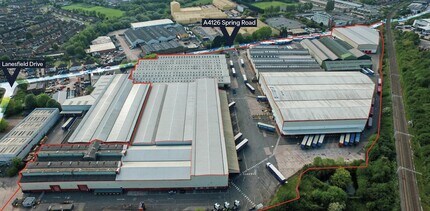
(190, 15)
(363, 38)
(143, 136)
(19, 141)
(265, 58)
(336, 55)
(182, 68)
(154, 32)
(318, 102)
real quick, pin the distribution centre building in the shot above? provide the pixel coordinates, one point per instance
(266, 58)
(363, 38)
(318, 102)
(21, 139)
(336, 55)
(143, 136)
(182, 68)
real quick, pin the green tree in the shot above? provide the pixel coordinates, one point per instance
(41, 100)
(341, 178)
(262, 33)
(30, 101)
(336, 206)
(3, 125)
(218, 42)
(14, 107)
(70, 50)
(329, 6)
(51, 103)
(284, 31)
(4, 58)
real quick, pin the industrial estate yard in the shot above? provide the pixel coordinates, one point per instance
(193, 131)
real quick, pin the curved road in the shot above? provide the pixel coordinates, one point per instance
(409, 192)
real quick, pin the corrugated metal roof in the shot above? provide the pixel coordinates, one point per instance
(179, 170)
(337, 48)
(182, 68)
(359, 34)
(158, 153)
(186, 113)
(16, 140)
(114, 113)
(305, 96)
(230, 145)
(325, 50)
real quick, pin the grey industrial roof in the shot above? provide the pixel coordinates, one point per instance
(308, 44)
(88, 100)
(159, 33)
(230, 145)
(181, 132)
(270, 59)
(182, 68)
(114, 113)
(151, 23)
(317, 96)
(22, 134)
(359, 34)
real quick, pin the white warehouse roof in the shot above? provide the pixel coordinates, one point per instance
(151, 23)
(304, 96)
(19, 141)
(114, 114)
(318, 102)
(101, 47)
(359, 34)
(182, 68)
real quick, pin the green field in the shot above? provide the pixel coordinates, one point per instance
(109, 12)
(191, 3)
(264, 5)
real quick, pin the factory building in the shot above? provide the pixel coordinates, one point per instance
(154, 33)
(362, 38)
(84, 103)
(182, 68)
(224, 4)
(144, 24)
(336, 55)
(280, 59)
(194, 14)
(143, 136)
(318, 102)
(21, 139)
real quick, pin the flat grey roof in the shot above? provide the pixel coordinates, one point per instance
(311, 96)
(22, 134)
(182, 68)
(114, 113)
(359, 34)
(184, 115)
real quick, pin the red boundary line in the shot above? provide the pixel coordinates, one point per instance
(346, 167)
(301, 174)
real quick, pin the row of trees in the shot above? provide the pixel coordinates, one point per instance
(23, 101)
(135, 11)
(414, 67)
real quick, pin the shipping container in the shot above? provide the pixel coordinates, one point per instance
(357, 138)
(347, 137)
(233, 72)
(68, 123)
(315, 141)
(242, 63)
(276, 173)
(231, 63)
(242, 144)
(231, 105)
(237, 137)
(309, 142)
(245, 80)
(250, 87)
(341, 140)
(305, 139)
(267, 127)
(261, 98)
(321, 140)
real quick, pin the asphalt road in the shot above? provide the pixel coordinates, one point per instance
(409, 193)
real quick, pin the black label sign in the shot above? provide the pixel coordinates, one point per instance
(222, 23)
(229, 22)
(18, 65)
